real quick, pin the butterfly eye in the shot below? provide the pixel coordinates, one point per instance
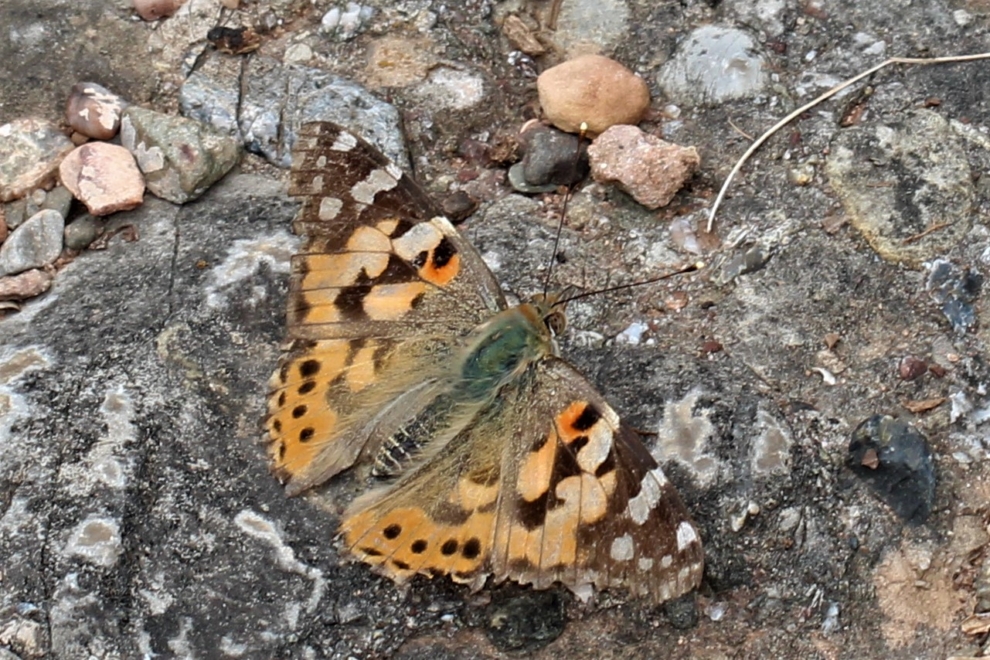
(556, 321)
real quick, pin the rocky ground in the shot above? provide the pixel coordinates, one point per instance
(844, 281)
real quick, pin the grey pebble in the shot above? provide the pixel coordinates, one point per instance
(58, 199)
(82, 231)
(35, 243)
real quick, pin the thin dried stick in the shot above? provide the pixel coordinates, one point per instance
(830, 93)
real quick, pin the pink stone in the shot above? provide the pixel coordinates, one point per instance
(649, 169)
(104, 177)
(93, 111)
(28, 284)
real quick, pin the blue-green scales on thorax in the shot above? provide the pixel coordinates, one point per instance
(495, 354)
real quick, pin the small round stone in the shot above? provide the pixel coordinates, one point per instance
(82, 231)
(649, 169)
(152, 10)
(594, 90)
(93, 111)
(26, 285)
(104, 177)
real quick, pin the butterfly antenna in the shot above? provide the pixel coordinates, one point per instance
(563, 209)
(698, 265)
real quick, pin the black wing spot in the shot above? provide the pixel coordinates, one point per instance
(350, 301)
(449, 547)
(281, 451)
(277, 425)
(281, 398)
(443, 253)
(298, 411)
(606, 466)
(588, 418)
(306, 434)
(307, 387)
(579, 443)
(420, 259)
(401, 228)
(533, 514)
(401, 565)
(418, 546)
(414, 303)
(371, 552)
(392, 531)
(471, 549)
(309, 368)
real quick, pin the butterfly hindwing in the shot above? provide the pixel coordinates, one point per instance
(381, 287)
(546, 485)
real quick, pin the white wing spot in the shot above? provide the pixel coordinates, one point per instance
(645, 563)
(597, 450)
(321, 162)
(344, 142)
(329, 208)
(685, 535)
(394, 170)
(666, 561)
(648, 496)
(377, 181)
(622, 548)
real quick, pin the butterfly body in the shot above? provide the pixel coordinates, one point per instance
(489, 455)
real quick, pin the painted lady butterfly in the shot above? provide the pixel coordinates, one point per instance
(492, 455)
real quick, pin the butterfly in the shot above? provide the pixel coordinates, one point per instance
(488, 454)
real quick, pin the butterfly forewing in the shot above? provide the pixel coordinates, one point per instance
(382, 286)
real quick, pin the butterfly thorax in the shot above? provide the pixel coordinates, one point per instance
(496, 353)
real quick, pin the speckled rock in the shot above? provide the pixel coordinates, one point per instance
(180, 158)
(30, 151)
(104, 177)
(925, 183)
(93, 111)
(36, 243)
(592, 89)
(648, 168)
(712, 65)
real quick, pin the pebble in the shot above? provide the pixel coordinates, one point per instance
(93, 111)
(553, 157)
(36, 243)
(30, 151)
(911, 368)
(955, 290)
(713, 65)
(25, 285)
(893, 458)
(152, 10)
(82, 231)
(919, 205)
(345, 24)
(594, 90)
(298, 54)
(104, 177)
(646, 167)
(58, 199)
(517, 179)
(180, 158)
